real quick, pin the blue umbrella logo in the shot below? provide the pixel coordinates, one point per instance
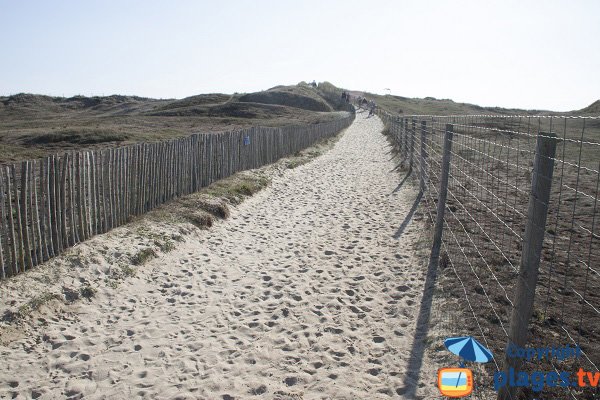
(468, 349)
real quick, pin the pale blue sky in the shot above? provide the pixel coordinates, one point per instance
(511, 53)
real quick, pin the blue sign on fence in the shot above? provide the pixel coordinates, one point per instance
(246, 140)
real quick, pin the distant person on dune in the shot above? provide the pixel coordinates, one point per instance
(372, 107)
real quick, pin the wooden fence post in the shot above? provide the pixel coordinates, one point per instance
(537, 212)
(441, 204)
(63, 202)
(2, 230)
(422, 157)
(412, 145)
(72, 201)
(25, 215)
(79, 196)
(405, 140)
(14, 238)
(35, 215)
(55, 202)
(398, 132)
(45, 203)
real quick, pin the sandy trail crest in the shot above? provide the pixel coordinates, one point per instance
(303, 293)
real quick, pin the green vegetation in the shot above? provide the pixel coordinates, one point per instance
(140, 258)
(166, 246)
(204, 207)
(127, 270)
(236, 187)
(87, 292)
(36, 302)
(122, 271)
(75, 258)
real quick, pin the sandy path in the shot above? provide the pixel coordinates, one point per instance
(302, 293)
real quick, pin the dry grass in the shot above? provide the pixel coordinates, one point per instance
(26, 309)
(301, 96)
(399, 105)
(431, 106)
(33, 126)
(143, 256)
(204, 207)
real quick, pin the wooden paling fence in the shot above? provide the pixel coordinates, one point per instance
(49, 205)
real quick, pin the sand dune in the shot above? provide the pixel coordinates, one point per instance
(303, 293)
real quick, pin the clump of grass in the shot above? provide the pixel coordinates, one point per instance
(204, 207)
(178, 238)
(217, 208)
(165, 246)
(429, 340)
(35, 303)
(244, 189)
(200, 219)
(127, 271)
(111, 283)
(142, 257)
(236, 187)
(296, 162)
(71, 294)
(538, 315)
(75, 258)
(117, 275)
(87, 292)
(444, 260)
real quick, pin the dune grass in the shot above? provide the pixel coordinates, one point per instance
(33, 126)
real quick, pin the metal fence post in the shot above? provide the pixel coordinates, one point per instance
(422, 157)
(441, 205)
(541, 183)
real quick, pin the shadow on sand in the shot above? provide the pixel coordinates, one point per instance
(415, 361)
(410, 214)
(403, 179)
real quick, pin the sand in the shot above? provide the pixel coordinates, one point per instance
(304, 293)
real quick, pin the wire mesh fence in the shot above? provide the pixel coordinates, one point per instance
(491, 218)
